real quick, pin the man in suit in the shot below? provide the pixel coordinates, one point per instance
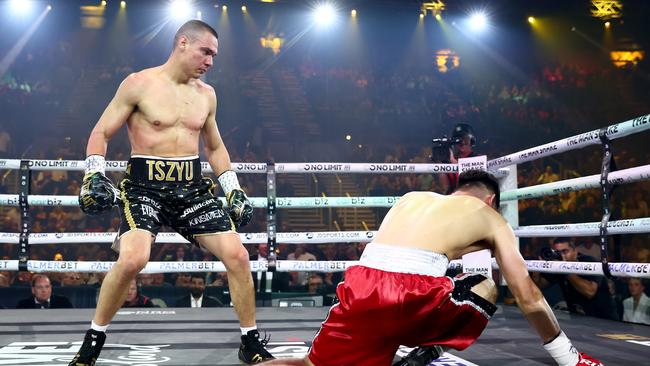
(197, 298)
(42, 297)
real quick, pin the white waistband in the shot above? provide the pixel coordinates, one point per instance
(166, 158)
(392, 258)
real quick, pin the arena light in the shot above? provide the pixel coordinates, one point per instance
(244, 9)
(478, 21)
(122, 4)
(531, 20)
(103, 2)
(353, 13)
(606, 9)
(324, 14)
(21, 7)
(180, 9)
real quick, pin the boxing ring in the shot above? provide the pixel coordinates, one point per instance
(173, 336)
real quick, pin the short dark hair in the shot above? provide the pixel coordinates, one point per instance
(480, 178)
(200, 275)
(564, 239)
(193, 27)
(38, 276)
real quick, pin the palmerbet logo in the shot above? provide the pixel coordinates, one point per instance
(60, 353)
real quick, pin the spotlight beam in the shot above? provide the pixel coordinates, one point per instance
(13, 53)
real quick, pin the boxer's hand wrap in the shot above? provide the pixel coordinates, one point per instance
(562, 351)
(240, 208)
(97, 193)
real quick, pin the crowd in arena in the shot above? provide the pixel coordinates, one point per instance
(555, 101)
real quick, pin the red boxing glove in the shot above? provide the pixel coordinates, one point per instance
(587, 360)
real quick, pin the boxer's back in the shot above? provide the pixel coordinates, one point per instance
(452, 225)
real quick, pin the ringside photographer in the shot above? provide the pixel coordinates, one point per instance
(586, 295)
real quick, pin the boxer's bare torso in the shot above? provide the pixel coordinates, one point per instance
(452, 225)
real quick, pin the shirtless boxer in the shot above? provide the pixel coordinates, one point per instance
(398, 293)
(166, 109)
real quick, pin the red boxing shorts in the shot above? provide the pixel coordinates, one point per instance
(380, 310)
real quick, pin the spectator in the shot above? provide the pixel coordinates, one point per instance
(5, 141)
(300, 253)
(636, 308)
(72, 279)
(134, 299)
(315, 285)
(183, 279)
(197, 298)
(548, 176)
(42, 297)
(24, 278)
(4, 280)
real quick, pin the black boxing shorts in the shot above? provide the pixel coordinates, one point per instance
(172, 192)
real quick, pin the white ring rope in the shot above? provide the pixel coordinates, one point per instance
(257, 202)
(639, 270)
(614, 131)
(630, 226)
(622, 176)
(297, 168)
(372, 168)
(115, 166)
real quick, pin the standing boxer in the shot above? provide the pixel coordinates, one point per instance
(166, 109)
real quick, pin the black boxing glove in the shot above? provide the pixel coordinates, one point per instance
(98, 194)
(240, 208)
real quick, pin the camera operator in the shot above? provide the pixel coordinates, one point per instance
(587, 295)
(445, 150)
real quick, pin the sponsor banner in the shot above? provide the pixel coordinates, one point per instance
(9, 200)
(318, 202)
(43, 200)
(49, 238)
(473, 163)
(316, 266)
(478, 262)
(60, 353)
(630, 226)
(640, 270)
(614, 131)
(249, 167)
(238, 167)
(116, 166)
(175, 267)
(398, 168)
(325, 237)
(10, 164)
(172, 237)
(623, 176)
(9, 238)
(46, 200)
(8, 265)
(55, 266)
